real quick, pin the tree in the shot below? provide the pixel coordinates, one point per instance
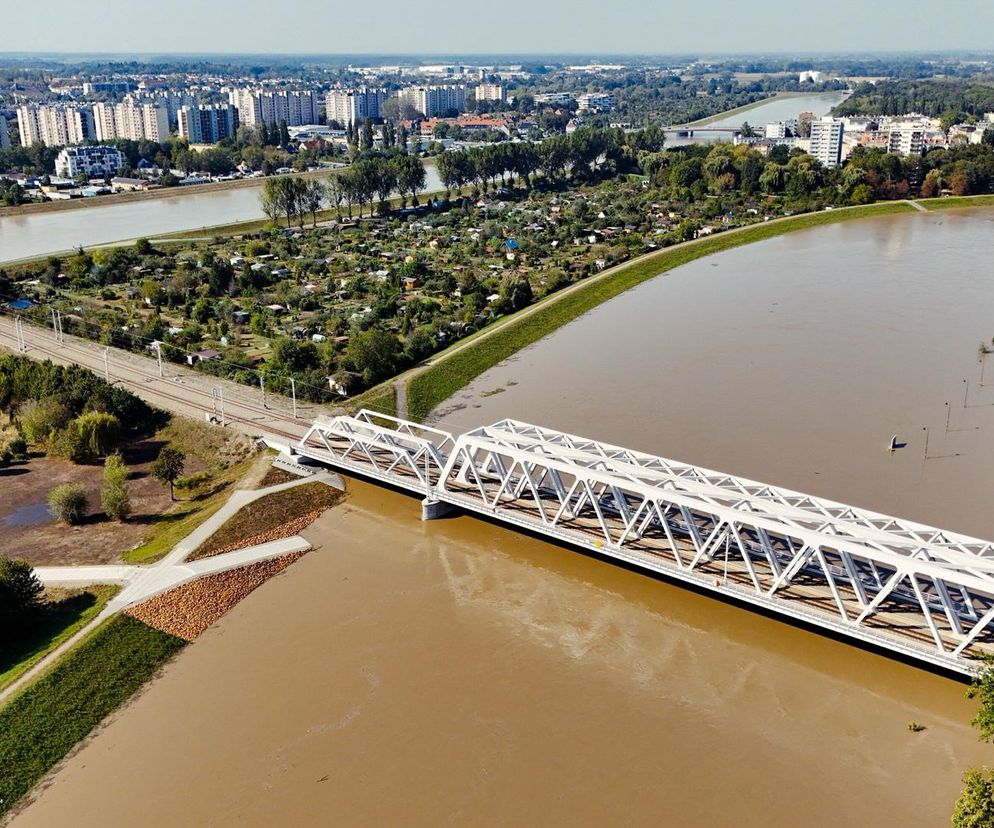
(168, 466)
(312, 197)
(20, 597)
(114, 496)
(98, 432)
(975, 806)
(366, 135)
(982, 688)
(68, 503)
(373, 354)
(410, 175)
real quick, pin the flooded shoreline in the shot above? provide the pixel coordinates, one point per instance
(791, 361)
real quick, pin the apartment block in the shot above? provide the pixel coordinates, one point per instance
(434, 100)
(4, 133)
(256, 106)
(490, 92)
(55, 126)
(172, 102)
(600, 101)
(348, 106)
(93, 162)
(826, 141)
(135, 122)
(906, 140)
(208, 124)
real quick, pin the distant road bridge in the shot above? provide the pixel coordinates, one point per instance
(914, 590)
(688, 131)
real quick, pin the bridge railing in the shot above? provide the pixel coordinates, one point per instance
(781, 554)
(382, 446)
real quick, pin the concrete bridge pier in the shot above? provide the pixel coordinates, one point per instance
(432, 509)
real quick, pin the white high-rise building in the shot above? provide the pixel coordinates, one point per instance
(826, 141)
(348, 106)
(208, 124)
(906, 140)
(256, 106)
(136, 122)
(434, 100)
(490, 92)
(55, 126)
(4, 133)
(172, 102)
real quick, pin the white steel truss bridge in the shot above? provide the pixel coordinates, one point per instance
(914, 590)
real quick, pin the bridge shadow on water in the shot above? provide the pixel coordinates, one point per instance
(724, 598)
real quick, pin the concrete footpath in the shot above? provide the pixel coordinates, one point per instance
(139, 583)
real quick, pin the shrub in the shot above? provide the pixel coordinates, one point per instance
(68, 443)
(115, 501)
(115, 471)
(975, 806)
(193, 481)
(68, 503)
(39, 418)
(91, 435)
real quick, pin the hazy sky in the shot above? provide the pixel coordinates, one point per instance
(547, 26)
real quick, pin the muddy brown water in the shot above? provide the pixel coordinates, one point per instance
(455, 672)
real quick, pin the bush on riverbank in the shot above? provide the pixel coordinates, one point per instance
(41, 725)
(439, 382)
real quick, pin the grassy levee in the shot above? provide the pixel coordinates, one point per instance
(380, 398)
(42, 724)
(441, 380)
(62, 621)
(956, 202)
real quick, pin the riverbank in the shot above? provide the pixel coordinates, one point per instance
(720, 116)
(427, 387)
(148, 195)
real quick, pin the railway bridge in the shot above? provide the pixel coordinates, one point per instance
(916, 591)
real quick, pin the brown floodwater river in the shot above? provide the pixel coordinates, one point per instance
(455, 672)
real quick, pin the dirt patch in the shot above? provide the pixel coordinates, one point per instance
(275, 476)
(188, 610)
(274, 516)
(28, 531)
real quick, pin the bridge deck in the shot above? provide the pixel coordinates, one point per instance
(902, 586)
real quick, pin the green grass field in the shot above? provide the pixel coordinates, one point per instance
(436, 384)
(42, 724)
(66, 616)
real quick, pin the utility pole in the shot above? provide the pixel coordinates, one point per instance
(107, 364)
(55, 326)
(158, 356)
(58, 319)
(22, 345)
(220, 397)
(262, 385)
(293, 396)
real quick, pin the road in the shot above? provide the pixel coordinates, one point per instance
(180, 390)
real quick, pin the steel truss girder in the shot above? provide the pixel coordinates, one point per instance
(903, 585)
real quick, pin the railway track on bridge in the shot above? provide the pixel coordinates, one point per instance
(915, 591)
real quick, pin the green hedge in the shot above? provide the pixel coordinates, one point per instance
(436, 384)
(42, 724)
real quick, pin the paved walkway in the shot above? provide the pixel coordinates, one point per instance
(139, 583)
